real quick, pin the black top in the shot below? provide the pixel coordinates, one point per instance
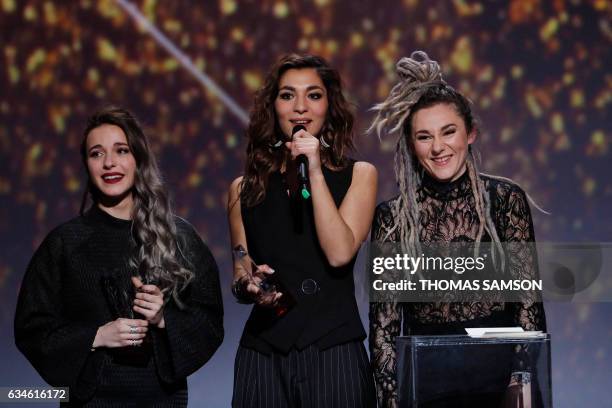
(78, 280)
(448, 214)
(280, 232)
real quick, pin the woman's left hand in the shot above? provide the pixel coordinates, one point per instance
(308, 145)
(149, 302)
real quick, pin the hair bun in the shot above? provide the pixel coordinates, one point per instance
(419, 68)
(417, 74)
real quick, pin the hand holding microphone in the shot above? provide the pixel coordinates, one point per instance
(305, 149)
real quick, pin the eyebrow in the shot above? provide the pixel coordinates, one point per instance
(427, 131)
(308, 88)
(99, 145)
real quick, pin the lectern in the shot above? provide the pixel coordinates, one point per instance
(461, 371)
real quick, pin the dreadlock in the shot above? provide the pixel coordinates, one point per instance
(421, 86)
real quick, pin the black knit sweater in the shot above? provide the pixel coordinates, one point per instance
(78, 280)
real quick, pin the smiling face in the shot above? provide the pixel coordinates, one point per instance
(110, 163)
(301, 100)
(440, 141)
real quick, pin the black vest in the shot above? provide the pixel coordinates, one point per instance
(280, 232)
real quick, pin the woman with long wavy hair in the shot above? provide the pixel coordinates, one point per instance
(302, 345)
(122, 303)
(444, 198)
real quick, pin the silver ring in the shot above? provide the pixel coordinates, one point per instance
(134, 343)
(133, 329)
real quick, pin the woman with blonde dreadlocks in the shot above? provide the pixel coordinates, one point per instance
(443, 198)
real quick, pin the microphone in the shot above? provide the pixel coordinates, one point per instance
(302, 168)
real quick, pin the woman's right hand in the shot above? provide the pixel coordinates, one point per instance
(253, 287)
(121, 333)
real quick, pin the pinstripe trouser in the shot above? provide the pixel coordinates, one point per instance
(337, 377)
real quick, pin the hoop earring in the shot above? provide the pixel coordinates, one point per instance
(327, 129)
(277, 144)
(324, 142)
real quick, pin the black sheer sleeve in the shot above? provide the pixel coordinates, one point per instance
(192, 334)
(385, 323)
(519, 239)
(57, 347)
(522, 258)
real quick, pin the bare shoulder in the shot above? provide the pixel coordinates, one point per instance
(235, 186)
(234, 189)
(364, 172)
(233, 196)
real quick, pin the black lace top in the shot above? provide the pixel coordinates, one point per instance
(448, 214)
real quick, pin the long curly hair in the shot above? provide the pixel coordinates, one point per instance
(153, 227)
(421, 86)
(264, 131)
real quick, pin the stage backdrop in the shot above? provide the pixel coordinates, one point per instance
(537, 71)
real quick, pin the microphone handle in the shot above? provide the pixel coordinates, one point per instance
(302, 175)
(302, 168)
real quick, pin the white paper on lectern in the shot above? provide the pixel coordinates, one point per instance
(502, 332)
(516, 335)
(481, 331)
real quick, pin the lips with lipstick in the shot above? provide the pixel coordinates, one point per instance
(112, 178)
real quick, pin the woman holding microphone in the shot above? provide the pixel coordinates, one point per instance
(302, 345)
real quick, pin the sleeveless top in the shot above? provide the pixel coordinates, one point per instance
(280, 232)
